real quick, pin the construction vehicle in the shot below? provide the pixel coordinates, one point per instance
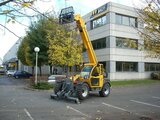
(91, 77)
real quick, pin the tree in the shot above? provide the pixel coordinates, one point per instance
(150, 16)
(37, 38)
(17, 10)
(64, 47)
(23, 52)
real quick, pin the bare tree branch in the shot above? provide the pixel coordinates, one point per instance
(10, 31)
(5, 2)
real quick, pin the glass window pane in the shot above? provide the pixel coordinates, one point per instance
(107, 18)
(118, 19)
(119, 66)
(99, 22)
(104, 20)
(146, 67)
(132, 22)
(99, 43)
(125, 20)
(157, 67)
(152, 67)
(104, 43)
(126, 43)
(126, 66)
(119, 42)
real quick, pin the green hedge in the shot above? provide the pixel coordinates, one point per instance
(43, 86)
(133, 82)
(155, 75)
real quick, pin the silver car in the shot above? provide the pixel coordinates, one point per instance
(10, 72)
(52, 78)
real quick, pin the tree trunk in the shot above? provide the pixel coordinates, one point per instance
(32, 70)
(51, 70)
(40, 70)
(67, 71)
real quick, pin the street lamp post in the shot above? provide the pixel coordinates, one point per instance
(36, 49)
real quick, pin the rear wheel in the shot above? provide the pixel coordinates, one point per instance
(105, 91)
(58, 87)
(82, 91)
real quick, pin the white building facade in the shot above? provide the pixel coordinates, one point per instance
(110, 28)
(10, 60)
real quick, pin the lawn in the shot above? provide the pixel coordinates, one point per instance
(134, 82)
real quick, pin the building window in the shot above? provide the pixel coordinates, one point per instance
(118, 19)
(132, 22)
(126, 20)
(126, 43)
(126, 66)
(99, 22)
(99, 43)
(152, 67)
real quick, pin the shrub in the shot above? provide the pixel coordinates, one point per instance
(155, 75)
(43, 86)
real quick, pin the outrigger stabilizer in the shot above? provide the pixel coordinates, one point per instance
(64, 89)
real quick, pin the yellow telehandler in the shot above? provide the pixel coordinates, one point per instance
(91, 77)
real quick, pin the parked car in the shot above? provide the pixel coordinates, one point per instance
(52, 78)
(22, 74)
(10, 72)
(2, 71)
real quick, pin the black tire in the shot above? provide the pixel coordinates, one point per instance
(105, 91)
(58, 87)
(16, 77)
(82, 91)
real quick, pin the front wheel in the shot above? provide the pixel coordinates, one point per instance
(82, 91)
(105, 91)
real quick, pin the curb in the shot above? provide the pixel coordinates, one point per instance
(32, 89)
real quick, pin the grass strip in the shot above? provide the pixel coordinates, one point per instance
(134, 82)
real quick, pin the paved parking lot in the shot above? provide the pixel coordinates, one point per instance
(124, 103)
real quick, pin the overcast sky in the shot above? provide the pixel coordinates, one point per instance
(81, 6)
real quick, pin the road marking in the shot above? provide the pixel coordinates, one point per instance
(7, 110)
(109, 105)
(155, 97)
(68, 107)
(13, 101)
(144, 103)
(28, 114)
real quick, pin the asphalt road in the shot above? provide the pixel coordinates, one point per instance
(124, 103)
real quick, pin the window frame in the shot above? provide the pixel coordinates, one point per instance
(121, 21)
(102, 19)
(123, 43)
(122, 66)
(151, 67)
(99, 43)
